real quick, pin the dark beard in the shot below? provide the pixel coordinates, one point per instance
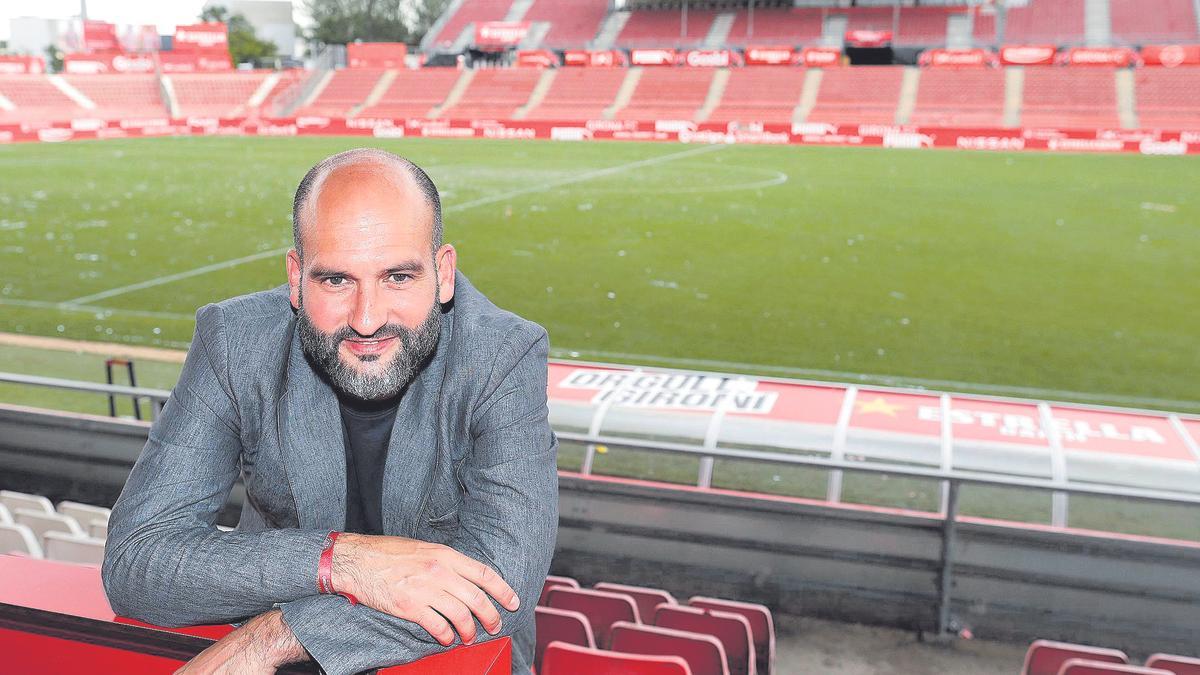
(416, 347)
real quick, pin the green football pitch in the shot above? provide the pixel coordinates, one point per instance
(1060, 276)
(1068, 277)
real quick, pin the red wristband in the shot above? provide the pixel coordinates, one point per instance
(325, 570)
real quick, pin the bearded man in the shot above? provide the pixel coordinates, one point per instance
(390, 426)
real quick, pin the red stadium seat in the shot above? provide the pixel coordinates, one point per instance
(555, 582)
(1089, 667)
(762, 626)
(647, 599)
(733, 630)
(602, 609)
(1045, 657)
(1180, 665)
(564, 659)
(560, 625)
(704, 653)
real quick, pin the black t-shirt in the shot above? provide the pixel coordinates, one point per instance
(366, 429)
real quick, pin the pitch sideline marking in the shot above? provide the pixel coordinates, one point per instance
(589, 175)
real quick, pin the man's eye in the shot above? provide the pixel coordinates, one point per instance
(400, 277)
(334, 281)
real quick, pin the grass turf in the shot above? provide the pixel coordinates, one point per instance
(1068, 277)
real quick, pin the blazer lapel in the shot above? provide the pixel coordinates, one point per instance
(314, 449)
(413, 450)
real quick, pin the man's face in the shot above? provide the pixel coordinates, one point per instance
(370, 289)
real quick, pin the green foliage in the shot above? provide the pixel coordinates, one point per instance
(244, 45)
(54, 59)
(344, 21)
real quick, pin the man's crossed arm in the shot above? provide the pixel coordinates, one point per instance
(166, 562)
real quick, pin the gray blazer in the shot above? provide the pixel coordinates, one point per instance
(471, 464)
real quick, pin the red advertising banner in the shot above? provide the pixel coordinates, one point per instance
(1027, 55)
(22, 65)
(99, 36)
(652, 57)
(202, 37)
(782, 55)
(583, 57)
(1120, 57)
(536, 58)
(821, 57)
(376, 54)
(709, 58)
(1171, 55)
(500, 33)
(194, 62)
(956, 58)
(868, 38)
(92, 64)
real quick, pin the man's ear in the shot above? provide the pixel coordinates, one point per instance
(447, 262)
(295, 276)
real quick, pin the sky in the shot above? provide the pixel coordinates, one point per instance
(166, 14)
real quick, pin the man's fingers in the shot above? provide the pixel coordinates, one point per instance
(477, 601)
(486, 578)
(436, 625)
(453, 609)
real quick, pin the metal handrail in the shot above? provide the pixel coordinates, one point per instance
(158, 397)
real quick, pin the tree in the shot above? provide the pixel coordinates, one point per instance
(344, 21)
(244, 44)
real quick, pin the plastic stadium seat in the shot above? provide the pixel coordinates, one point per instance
(733, 630)
(602, 609)
(19, 539)
(564, 659)
(647, 599)
(1089, 667)
(65, 548)
(41, 523)
(560, 625)
(21, 500)
(83, 513)
(555, 582)
(1046, 657)
(762, 626)
(98, 529)
(5, 516)
(703, 653)
(1180, 665)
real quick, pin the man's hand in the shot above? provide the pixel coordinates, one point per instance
(421, 582)
(258, 647)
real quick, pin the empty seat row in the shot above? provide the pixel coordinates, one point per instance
(30, 525)
(717, 636)
(1047, 657)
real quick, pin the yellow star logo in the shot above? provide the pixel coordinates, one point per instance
(878, 405)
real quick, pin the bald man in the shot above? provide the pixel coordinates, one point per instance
(390, 426)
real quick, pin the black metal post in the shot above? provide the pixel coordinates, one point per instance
(946, 571)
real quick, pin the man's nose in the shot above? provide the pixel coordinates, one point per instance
(367, 316)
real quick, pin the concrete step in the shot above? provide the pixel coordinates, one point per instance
(610, 29)
(808, 95)
(456, 92)
(716, 90)
(908, 94)
(625, 93)
(1014, 95)
(718, 32)
(377, 92)
(538, 94)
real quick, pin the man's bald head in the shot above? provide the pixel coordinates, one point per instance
(362, 159)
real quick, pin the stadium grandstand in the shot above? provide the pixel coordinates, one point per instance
(1022, 482)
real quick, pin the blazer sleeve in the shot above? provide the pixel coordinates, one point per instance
(508, 520)
(165, 561)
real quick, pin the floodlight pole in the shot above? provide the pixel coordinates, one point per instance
(83, 10)
(683, 22)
